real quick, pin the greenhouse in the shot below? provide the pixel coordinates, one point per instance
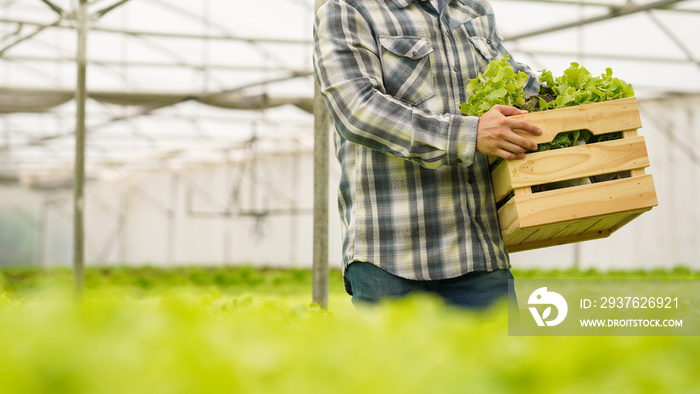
(172, 150)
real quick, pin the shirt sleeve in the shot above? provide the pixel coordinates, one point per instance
(348, 70)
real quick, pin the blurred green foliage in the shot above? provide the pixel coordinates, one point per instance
(147, 280)
(244, 330)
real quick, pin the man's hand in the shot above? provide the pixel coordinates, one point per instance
(496, 136)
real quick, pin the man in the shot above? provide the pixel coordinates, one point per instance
(415, 196)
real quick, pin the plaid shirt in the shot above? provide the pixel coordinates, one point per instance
(415, 198)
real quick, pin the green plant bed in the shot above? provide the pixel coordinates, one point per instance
(149, 280)
(242, 330)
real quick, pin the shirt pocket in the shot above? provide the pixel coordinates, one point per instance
(406, 68)
(484, 47)
(480, 32)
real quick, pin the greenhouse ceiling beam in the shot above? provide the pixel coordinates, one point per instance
(147, 111)
(143, 35)
(686, 10)
(99, 14)
(264, 40)
(615, 12)
(277, 122)
(62, 16)
(633, 58)
(51, 77)
(269, 40)
(108, 63)
(223, 28)
(159, 155)
(41, 27)
(673, 37)
(578, 3)
(57, 9)
(585, 4)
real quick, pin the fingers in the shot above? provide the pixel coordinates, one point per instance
(517, 142)
(517, 124)
(515, 147)
(523, 125)
(508, 110)
(520, 145)
(508, 155)
(502, 143)
(521, 141)
(496, 133)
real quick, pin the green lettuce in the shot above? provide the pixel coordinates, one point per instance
(500, 84)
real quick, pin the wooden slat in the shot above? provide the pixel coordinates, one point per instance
(513, 233)
(631, 134)
(508, 218)
(569, 231)
(519, 236)
(522, 191)
(554, 242)
(547, 232)
(501, 180)
(576, 228)
(629, 218)
(580, 202)
(572, 163)
(610, 221)
(603, 228)
(598, 118)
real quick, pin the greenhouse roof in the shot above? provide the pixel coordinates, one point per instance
(178, 83)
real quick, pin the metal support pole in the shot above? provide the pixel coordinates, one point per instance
(293, 219)
(79, 181)
(172, 217)
(320, 253)
(122, 235)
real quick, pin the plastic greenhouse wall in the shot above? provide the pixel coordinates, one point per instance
(259, 213)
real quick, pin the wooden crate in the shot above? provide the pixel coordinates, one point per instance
(530, 220)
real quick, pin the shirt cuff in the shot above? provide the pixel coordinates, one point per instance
(461, 145)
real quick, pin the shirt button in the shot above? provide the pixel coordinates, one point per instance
(414, 53)
(488, 41)
(456, 69)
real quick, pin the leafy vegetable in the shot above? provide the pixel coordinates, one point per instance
(577, 86)
(564, 140)
(499, 84)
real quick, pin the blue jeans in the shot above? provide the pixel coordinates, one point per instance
(475, 290)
